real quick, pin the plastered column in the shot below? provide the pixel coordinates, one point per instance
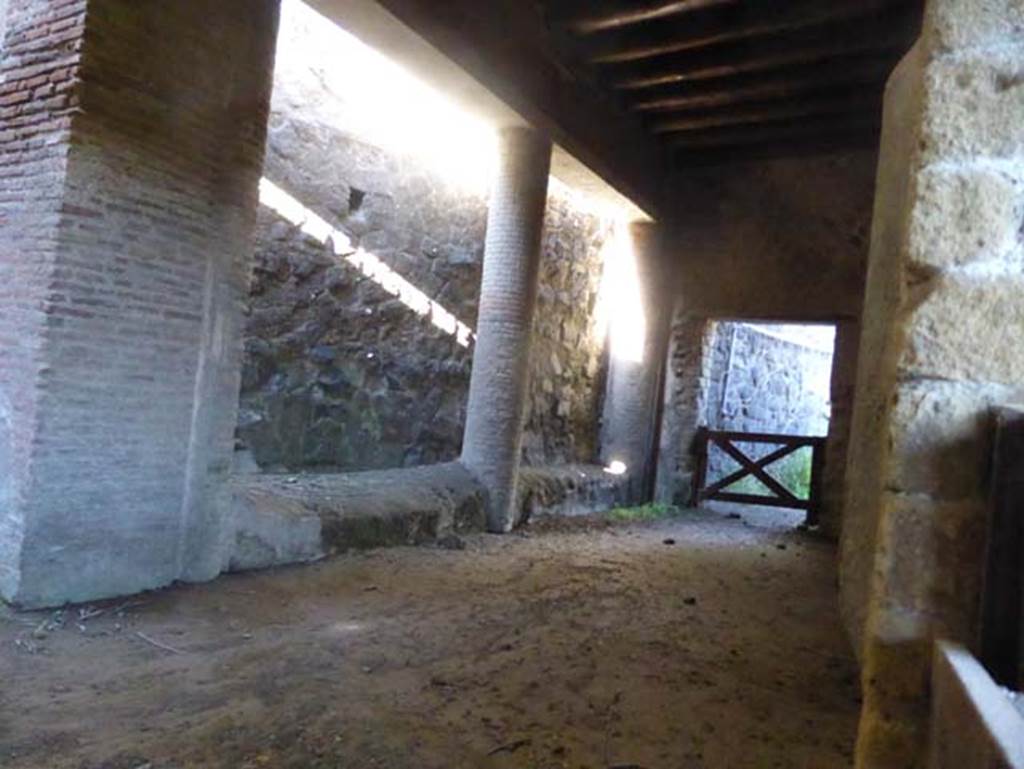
(637, 364)
(508, 296)
(943, 316)
(128, 203)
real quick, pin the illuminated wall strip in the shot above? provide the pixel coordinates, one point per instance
(369, 265)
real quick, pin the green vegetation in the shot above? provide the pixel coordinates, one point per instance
(649, 512)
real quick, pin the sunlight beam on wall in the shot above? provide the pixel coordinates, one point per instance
(368, 264)
(381, 102)
(620, 310)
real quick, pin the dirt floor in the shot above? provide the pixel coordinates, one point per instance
(699, 641)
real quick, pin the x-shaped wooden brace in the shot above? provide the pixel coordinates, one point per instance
(750, 467)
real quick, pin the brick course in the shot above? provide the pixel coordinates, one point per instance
(151, 167)
(39, 48)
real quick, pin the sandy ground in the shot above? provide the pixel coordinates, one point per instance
(694, 642)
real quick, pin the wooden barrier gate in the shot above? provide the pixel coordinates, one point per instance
(757, 468)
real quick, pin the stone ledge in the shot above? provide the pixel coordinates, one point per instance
(281, 519)
(286, 519)
(569, 490)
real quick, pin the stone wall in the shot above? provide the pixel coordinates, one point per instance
(761, 224)
(790, 234)
(944, 304)
(763, 383)
(638, 352)
(734, 376)
(339, 374)
(687, 383)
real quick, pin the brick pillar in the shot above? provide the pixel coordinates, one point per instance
(128, 200)
(844, 379)
(636, 367)
(943, 313)
(508, 296)
(685, 404)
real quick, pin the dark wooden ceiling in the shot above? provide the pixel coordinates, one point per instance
(639, 91)
(716, 80)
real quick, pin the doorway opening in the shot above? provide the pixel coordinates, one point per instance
(766, 417)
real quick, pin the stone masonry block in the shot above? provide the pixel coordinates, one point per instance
(968, 214)
(966, 328)
(940, 434)
(974, 105)
(954, 24)
(927, 556)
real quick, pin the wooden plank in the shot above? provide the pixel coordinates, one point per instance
(829, 46)
(817, 492)
(724, 439)
(868, 102)
(588, 16)
(753, 499)
(763, 462)
(1002, 623)
(741, 22)
(777, 488)
(798, 138)
(761, 152)
(700, 476)
(789, 84)
(780, 439)
(796, 132)
(504, 46)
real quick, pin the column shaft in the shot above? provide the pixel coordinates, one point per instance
(508, 296)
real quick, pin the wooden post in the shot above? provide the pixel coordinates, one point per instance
(1002, 622)
(700, 475)
(817, 487)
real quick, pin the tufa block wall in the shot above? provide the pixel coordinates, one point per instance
(943, 308)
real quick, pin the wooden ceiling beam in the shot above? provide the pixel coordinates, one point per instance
(734, 23)
(505, 46)
(890, 39)
(586, 17)
(867, 103)
(785, 132)
(791, 84)
(828, 144)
